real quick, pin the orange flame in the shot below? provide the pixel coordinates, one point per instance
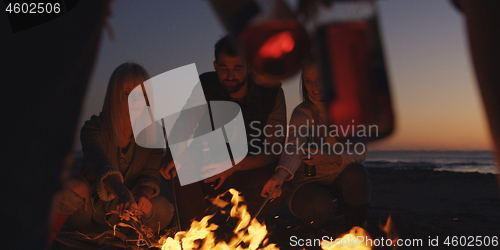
(250, 233)
(359, 239)
(356, 239)
(201, 235)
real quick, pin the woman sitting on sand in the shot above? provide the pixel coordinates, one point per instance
(341, 182)
(118, 174)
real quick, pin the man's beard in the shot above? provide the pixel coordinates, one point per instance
(234, 88)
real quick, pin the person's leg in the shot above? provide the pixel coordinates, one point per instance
(161, 213)
(74, 197)
(314, 204)
(354, 188)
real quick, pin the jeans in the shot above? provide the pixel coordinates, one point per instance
(316, 204)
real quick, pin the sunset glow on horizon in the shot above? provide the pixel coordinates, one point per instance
(436, 101)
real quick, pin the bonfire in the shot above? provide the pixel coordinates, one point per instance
(248, 233)
(231, 227)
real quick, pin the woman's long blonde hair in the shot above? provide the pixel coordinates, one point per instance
(305, 96)
(116, 102)
(310, 105)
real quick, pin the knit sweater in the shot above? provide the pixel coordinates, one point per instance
(103, 157)
(300, 123)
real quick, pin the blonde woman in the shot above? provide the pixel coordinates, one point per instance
(118, 174)
(341, 182)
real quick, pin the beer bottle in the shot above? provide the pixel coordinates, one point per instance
(310, 171)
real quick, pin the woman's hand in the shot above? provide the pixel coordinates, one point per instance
(126, 204)
(273, 185)
(143, 202)
(313, 158)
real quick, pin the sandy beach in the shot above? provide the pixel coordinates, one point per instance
(424, 204)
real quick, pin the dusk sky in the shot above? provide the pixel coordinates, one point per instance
(436, 101)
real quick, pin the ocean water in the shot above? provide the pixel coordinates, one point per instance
(457, 161)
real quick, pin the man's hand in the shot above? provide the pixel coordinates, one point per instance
(166, 170)
(222, 176)
(215, 168)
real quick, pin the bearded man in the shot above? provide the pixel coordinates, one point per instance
(264, 112)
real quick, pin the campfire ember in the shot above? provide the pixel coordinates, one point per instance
(248, 233)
